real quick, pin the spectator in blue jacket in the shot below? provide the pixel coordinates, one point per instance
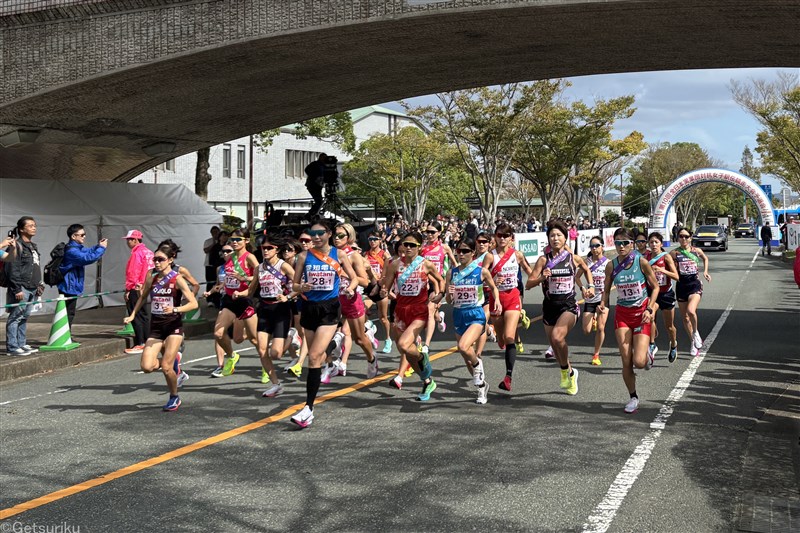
(76, 257)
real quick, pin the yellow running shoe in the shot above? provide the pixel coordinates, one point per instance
(296, 370)
(520, 348)
(573, 383)
(564, 379)
(526, 322)
(230, 364)
(596, 360)
(409, 372)
(264, 376)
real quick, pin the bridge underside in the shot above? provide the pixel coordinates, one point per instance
(96, 129)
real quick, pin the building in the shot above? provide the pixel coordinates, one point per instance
(277, 172)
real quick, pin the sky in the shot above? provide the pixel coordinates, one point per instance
(677, 106)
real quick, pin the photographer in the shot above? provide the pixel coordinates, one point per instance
(76, 257)
(315, 182)
(24, 276)
(8, 248)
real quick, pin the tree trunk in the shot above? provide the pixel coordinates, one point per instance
(201, 174)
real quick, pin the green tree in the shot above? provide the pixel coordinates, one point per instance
(336, 129)
(776, 106)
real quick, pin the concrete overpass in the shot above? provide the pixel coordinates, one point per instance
(105, 89)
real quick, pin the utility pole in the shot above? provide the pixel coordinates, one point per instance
(250, 197)
(621, 210)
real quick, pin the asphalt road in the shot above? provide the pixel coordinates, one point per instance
(377, 460)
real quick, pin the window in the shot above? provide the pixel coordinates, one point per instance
(240, 163)
(168, 166)
(226, 160)
(297, 161)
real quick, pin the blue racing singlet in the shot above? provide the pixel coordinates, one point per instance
(467, 291)
(322, 277)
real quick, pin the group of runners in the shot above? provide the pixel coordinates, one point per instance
(310, 297)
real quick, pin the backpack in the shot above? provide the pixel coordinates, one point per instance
(3, 275)
(52, 273)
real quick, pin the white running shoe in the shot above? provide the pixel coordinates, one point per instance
(342, 367)
(304, 417)
(291, 364)
(477, 374)
(294, 338)
(483, 394)
(549, 353)
(326, 374)
(397, 382)
(370, 326)
(338, 340)
(441, 325)
(217, 372)
(655, 349)
(491, 336)
(273, 391)
(424, 350)
(372, 368)
(371, 337)
(632, 406)
(182, 378)
(696, 340)
(649, 360)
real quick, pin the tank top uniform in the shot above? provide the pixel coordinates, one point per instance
(376, 264)
(666, 294)
(321, 304)
(505, 278)
(163, 294)
(412, 295)
(468, 298)
(274, 317)
(688, 279)
(632, 299)
(353, 307)
(435, 254)
(241, 307)
(598, 270)
(559, 290)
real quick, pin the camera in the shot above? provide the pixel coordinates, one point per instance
(12, 233)
(330, 171)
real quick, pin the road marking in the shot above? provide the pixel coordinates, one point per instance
(184, 363)
(602, 516)
(34, 397)
(199, 445)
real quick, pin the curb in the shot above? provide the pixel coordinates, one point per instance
(39, 363)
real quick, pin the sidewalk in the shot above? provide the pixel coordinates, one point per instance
(95, 330)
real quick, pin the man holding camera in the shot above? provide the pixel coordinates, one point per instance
(76, 258)
(315, 182)
(24, 277)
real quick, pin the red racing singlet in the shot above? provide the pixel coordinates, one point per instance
(231, 283)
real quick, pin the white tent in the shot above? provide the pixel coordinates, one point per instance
(109, 210)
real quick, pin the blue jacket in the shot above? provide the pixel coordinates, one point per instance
(76, 257)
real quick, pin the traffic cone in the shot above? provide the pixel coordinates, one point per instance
(60, 338)
(127, 330)
(193, 317)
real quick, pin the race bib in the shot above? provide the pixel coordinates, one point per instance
(270, 286)
(629, 291)
(661, 278)
(687, 267)
(412, 286)
(158, 304)
(376, 269)
(505, 282)
(321, 280)
(465, 296)
(561, 285)
(599, 282)
(231, 282)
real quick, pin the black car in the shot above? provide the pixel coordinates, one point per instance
(744, 230)
(711, 237)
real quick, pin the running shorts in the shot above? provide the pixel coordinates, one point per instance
(590, 307)
(631, 318)
(551, 310)
(161, 328)
(684, 290)
(666, 300)
(510, 300)
(274, 318)
(323, 313)
(242, 308)
(404, 315)
(392, 306)
(463, 318)
(352, 307)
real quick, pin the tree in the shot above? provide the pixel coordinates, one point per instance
(742, 208)
(336, 129)
(518, 188)
(776, 106)
(484, 125)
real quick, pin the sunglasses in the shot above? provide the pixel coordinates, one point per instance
(431, 231)
(684, 236)
(464, 251)
(371, 239)
(317, 232)
(305, 241)
(595, 245)
(410, 244)
(340, 236)
(268, 247)
(235, 239)
(641, 241)
(502, 235)
(621, 243)
(481, 241)
(80, 235)
(159, 259)
(227, 251)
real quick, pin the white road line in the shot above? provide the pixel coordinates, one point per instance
(602, 516)
(34, 397)
(184, 363)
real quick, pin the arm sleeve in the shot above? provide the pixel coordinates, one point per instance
(82, 257)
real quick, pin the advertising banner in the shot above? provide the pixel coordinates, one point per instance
(793, 236)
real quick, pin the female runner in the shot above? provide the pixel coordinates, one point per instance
(437, 253)
(377, 258)
(689, 289)
(166, 287)
(593, 319)
(296, 335)
(664, 267)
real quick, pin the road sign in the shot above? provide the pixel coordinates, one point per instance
(768, 191)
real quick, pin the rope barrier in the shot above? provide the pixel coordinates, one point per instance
(49, 300)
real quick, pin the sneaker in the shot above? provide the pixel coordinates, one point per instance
(217, 372)
(483, 394)
(17, 352)
(387, 346)
(230, 364)
(427, 389)
(425, 350)
(397, 383)
(654, 349)
(649, 360)
(304, 417)
(491, 336)
(573, 383)
(30, 349)
(176, 364)
(409, 372)
(477, 374)
(371, 327)
(294, 338)
(596, 360)
(632, 406)
(520, 348)
(419, 342)
(506, 384)
(338, 340)
(183, 377)
(326, 374)
(441, 325)
(673, 353)
(274, 390)
(372, 368)
(564, 383)
(296, 370)
(523, 318)
(696, 340)
(264, 376)
(549, 353)
(342, 367)
(371, 337)
(139, 348)
(695, 351)
(173, 403)
(288, 368)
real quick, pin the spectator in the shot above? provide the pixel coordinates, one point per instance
(139, 263)
(76, 257)
(8, 249)
(208, 248)
(573, 238)
(24, 277)
(315, 181)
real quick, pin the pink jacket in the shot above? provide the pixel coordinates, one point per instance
(140, 261)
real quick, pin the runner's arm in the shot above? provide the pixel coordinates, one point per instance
(347, 266)
(288, 271)
(433, 272)
(190, 280)
(537, 276)
(191, 301)
(589, 288)
(523, 264)
(297, 281)
(489, 282)
(448, 287)
(607, 286)
(647, 270)
(388, 278)
(148, 282)
(704, 257)
(671, 271)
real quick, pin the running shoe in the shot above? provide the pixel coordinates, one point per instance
(673, 353)
(139, 348)
(632, 406)
(491, 336)
(424, 350)
(338, 340)
(217, 372)
(441, 325)
(549, 353)
(342, 368)
(564, 383)
(371, 337)
(372, 368)
(30, 349)
(596, 360)
(274, 390)
(183, 377)
(304, 417)
(506, 384)
(649, 360)
(288, 368)
(397, 383)
(230, 364)
(520, 348)
(427, 389)
(654, 349)
(697, 341)
(523, 317)
(17, 352)
(371, 327)
(573, 383)
(387, 346)
(695, 351)
(296, 370)
(409, 371)
(264, 376)
(294, 338)
(176, 364)
(419, 342)
(477, 374)
(173, 403)
(483, 394)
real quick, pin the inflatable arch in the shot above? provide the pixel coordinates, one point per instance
(707, 175)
